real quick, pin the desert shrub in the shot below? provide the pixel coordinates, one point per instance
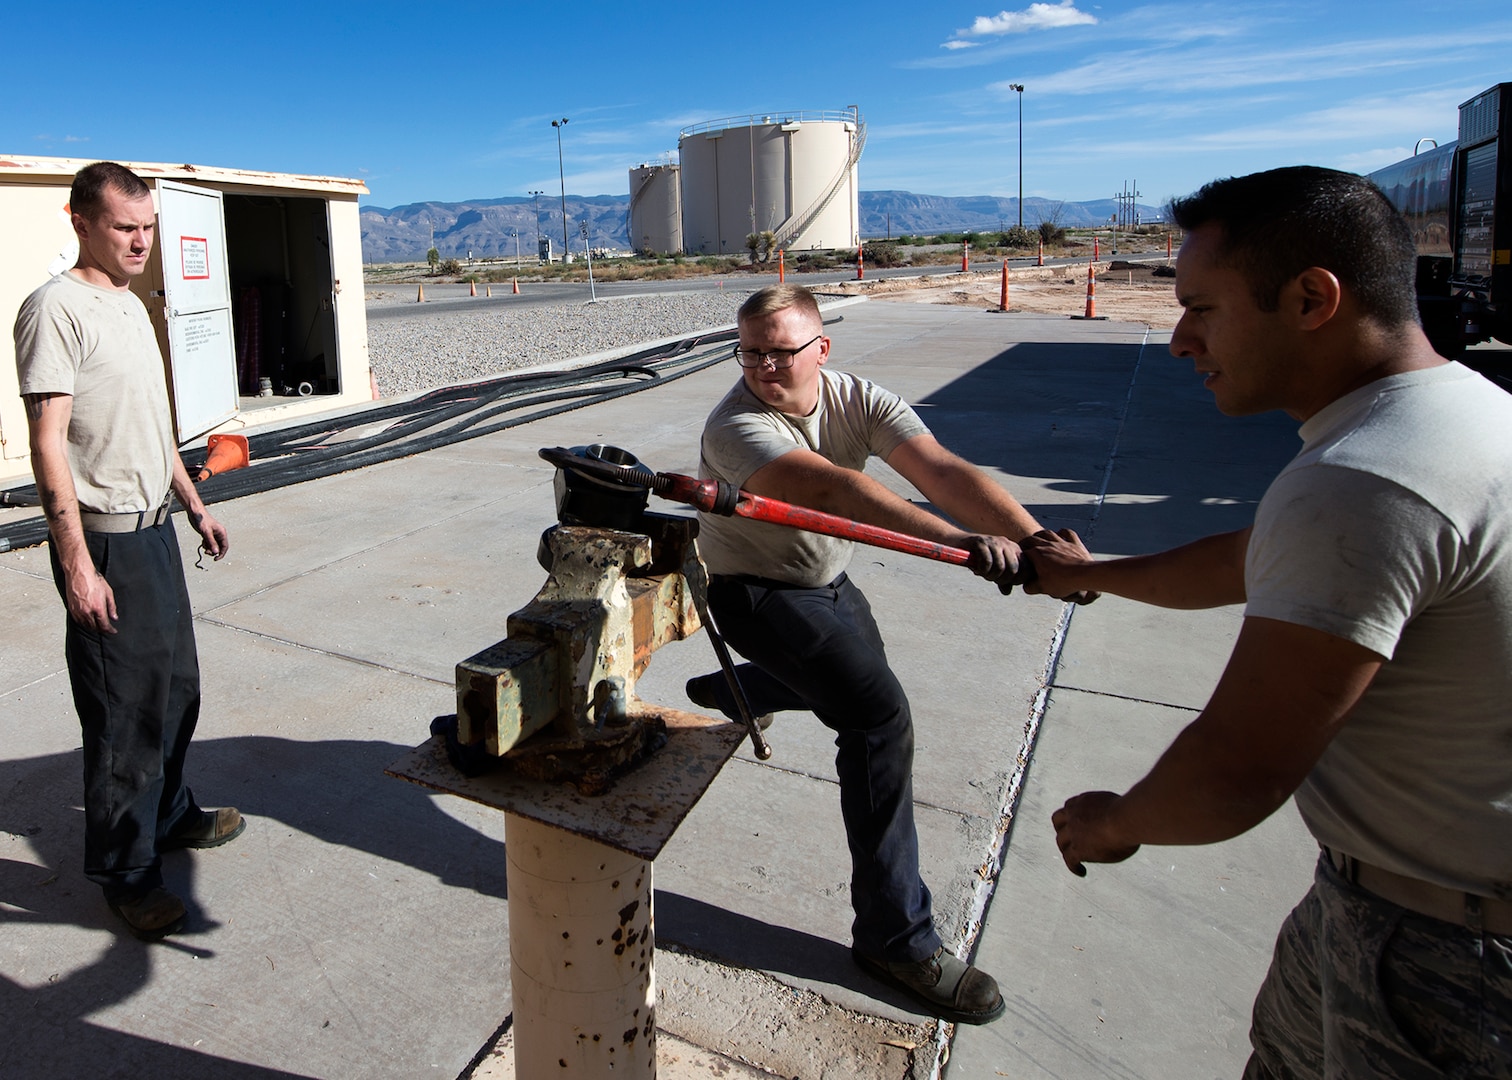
(814, 260)
(1051, 233)
(881, 253)
(1018, 237)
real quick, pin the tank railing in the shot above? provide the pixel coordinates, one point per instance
(802, 116)
(796, 223)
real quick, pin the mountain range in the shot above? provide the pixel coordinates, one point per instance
(491, 228)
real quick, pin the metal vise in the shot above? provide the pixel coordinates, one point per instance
(557, 696)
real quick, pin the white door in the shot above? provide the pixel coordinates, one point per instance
(197, 297)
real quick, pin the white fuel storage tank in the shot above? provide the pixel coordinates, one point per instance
(791, 173)
(656, 209)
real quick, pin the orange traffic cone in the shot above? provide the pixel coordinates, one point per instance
(227, 452)
(1003, 302)
(1091, 295)
(1042, 253)
(781, 269)
(516, 286)
(1168, 249)
(964, 248)
(858, 262)
(1094, 249)
(487, 290)
(420, 295)
(472, 288)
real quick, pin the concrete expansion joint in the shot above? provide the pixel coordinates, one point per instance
(302, 647)
(1124, 697)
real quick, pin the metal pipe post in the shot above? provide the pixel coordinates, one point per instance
(581, 956)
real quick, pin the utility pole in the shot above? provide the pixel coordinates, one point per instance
(536, 199)
(562, 176)
(1019, 87)
(592, 292)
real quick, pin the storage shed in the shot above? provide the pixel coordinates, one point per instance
(255, 287)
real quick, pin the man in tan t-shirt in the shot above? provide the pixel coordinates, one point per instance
(106, 468)
(795, 430)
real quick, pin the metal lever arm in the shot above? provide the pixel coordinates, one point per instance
(699, 585)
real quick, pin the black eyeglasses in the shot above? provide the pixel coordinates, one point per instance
(778, 358)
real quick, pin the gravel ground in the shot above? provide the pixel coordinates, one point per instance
(432, 350)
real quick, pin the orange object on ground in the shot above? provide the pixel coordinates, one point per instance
(227, 452)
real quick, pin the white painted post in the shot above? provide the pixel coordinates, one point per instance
(582, 960)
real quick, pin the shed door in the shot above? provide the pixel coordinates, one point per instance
(197, 297)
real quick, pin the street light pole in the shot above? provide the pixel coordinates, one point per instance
(536, 199)
(1019, 87)
(562, 176)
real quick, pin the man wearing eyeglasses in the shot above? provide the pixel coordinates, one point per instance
(793, 430)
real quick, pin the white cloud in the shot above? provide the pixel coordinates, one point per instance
(960, 44)
(1229, 68)
(1037, 16)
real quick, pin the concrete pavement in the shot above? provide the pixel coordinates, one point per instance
(359, 927)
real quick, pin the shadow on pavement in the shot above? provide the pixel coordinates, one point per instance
(334, 791)
(1061, 413)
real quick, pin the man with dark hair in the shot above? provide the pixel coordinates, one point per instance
(1373, 671)
(793, 430)
(87, 195)
(106, 468)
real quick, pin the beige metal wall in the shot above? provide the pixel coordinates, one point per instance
(39, 238)
(656, 209)
(765, 173)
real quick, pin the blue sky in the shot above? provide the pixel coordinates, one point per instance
(452, 102)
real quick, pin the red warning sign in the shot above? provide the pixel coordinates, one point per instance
(194, 254)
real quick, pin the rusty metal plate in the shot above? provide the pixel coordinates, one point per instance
(638, 815)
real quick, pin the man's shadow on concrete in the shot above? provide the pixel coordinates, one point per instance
(334, 790)
(1127, 422)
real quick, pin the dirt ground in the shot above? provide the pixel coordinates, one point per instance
(1124, 292)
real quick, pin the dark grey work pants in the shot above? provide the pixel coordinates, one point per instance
(820, 649)
(137, 695)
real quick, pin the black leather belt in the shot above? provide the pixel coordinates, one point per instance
(772, 583)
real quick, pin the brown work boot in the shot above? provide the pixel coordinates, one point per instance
(945, 985)
(211, 829)
(153, 915)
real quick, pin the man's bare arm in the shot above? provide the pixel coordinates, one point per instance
(213, 535)
(1203, 574)
(960, 489)
(1286, 692)
(809, 479)
(90, 600)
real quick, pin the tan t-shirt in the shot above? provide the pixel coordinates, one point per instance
(853, 420)
(98, 346)
(1393, 529)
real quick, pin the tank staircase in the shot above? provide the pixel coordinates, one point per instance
(635, 200)
(797, 223)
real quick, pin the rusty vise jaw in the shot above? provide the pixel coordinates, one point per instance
(562, 684)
